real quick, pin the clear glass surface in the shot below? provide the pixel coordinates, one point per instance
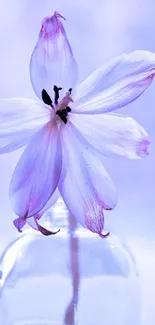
(72, 278)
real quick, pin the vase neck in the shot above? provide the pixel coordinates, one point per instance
(58, 216)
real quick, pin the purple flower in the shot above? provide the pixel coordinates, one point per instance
(70, 129)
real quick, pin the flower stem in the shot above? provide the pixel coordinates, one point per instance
(71, 311)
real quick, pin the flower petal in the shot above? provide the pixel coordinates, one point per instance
(52, 61)
(52, 200)
(115, 84)
(20, 118)
(37, 173)
(113, 134)
(19, 223)
(33, 222)
(84, 185)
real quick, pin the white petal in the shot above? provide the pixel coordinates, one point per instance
(33, 221)
(20, 118)
(85, 186)
(37, 173)
(116, 84)
(52, 62)
(113, 134)
(52, 200)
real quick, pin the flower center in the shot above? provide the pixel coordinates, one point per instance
(61, 109)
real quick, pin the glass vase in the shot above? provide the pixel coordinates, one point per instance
(71, 278)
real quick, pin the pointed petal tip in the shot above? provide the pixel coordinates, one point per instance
(19, 223)
(104, 235)
(57, 15)
(34, 224)
(51, 25)
(96, 225)
(43, 230)
(142, 148)
(148, 80)
(106, 207)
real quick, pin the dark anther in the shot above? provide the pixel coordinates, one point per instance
(56, 90)
(68, 109)
(64, 112)
(58, 113)
(70, 90)
(63, 118)
(46, 98)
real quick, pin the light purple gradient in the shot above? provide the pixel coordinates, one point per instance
(98, 31)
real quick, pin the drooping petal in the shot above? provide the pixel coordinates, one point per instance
(84, 185)
(33, 222)
(52, 61)
(113, 134)
(115, 84)
(37, 173)
(20, 118)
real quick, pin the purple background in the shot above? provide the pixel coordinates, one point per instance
(98, 31)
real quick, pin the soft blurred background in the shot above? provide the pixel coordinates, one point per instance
(98, 31)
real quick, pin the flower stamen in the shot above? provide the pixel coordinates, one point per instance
(62, 116)
(68, 109)
(62, 113)
(46, 98)
(56, 90)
